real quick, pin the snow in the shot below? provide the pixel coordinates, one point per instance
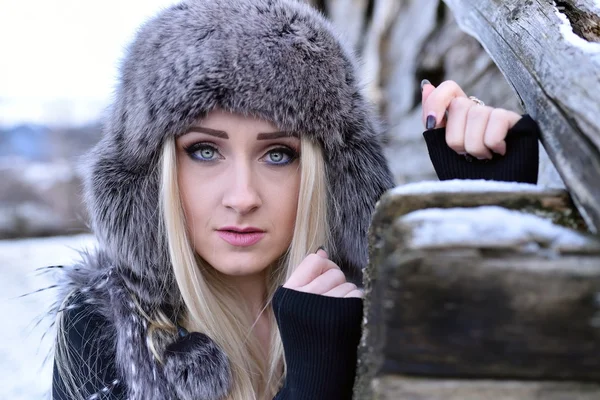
(457, 185)
(491, 226)
(23, 374)
(573, 39)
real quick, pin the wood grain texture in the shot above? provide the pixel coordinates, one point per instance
(557, 76)
(406, 388)
(489, 313)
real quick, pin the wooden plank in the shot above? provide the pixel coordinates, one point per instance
(553, 204)
(474, 313)
(556, 73)
(406, 388)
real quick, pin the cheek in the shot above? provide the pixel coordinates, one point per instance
(287, 199)
(197, 198)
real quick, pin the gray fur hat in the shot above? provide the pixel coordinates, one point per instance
(279, 60)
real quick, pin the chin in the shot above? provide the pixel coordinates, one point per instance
(239, 265)
(238, 272)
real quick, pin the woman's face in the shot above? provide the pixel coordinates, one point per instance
(239, 179)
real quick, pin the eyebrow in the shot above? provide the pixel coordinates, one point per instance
(275, 135)
(212, 132)
(223, 134)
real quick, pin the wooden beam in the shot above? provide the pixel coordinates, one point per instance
(402, 387)
(556, 73)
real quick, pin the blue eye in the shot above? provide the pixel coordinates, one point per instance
(202, 152)
(281, 156)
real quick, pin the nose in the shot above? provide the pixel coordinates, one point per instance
(241, 194)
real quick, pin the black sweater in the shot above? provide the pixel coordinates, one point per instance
(320, 334)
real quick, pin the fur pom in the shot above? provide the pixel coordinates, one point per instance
(197, 368)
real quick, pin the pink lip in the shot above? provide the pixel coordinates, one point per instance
(242, 237)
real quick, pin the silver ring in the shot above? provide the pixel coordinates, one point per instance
(476, 100)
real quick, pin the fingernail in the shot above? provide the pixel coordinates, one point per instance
(321, 248)
(430, 124)
(182, 331)
(424, 82)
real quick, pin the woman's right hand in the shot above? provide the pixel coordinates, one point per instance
(317, 274)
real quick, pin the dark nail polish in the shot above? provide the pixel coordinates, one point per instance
(430, 124)
(321, 248)
(182, 331)
(424, 82)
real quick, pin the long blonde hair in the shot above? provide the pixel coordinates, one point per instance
(214, 308)
(210, 306)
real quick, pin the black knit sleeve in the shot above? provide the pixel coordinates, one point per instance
(90, 364)
(320, 338)
(520, 164)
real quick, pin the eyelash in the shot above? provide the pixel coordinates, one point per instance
(192, 149)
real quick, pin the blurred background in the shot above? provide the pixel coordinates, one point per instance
(58, 63)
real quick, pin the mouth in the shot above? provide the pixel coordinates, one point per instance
(241, 237)
(235, 229)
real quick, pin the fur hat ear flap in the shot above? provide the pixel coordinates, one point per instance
(197, 368)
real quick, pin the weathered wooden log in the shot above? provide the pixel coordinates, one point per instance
(478, 292)
(406, 388)
(554, 204)
(551, 56)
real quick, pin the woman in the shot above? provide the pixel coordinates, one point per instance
(231, 195)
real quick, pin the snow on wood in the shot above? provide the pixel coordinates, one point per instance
(491, 227)
(572, 38)
(458, 185)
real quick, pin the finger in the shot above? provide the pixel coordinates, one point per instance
(426, 89)
(439, 100)
(477, 120)
(325, 282)
(457, 123)
(309, 269)
(355, 293)
(499, 124)
(496, 131)
(322, 253)
(341, 290)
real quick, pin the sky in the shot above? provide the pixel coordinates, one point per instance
(59, 58)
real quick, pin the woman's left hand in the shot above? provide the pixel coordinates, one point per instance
(471, 128)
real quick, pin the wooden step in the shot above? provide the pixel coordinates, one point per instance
(465, 289)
